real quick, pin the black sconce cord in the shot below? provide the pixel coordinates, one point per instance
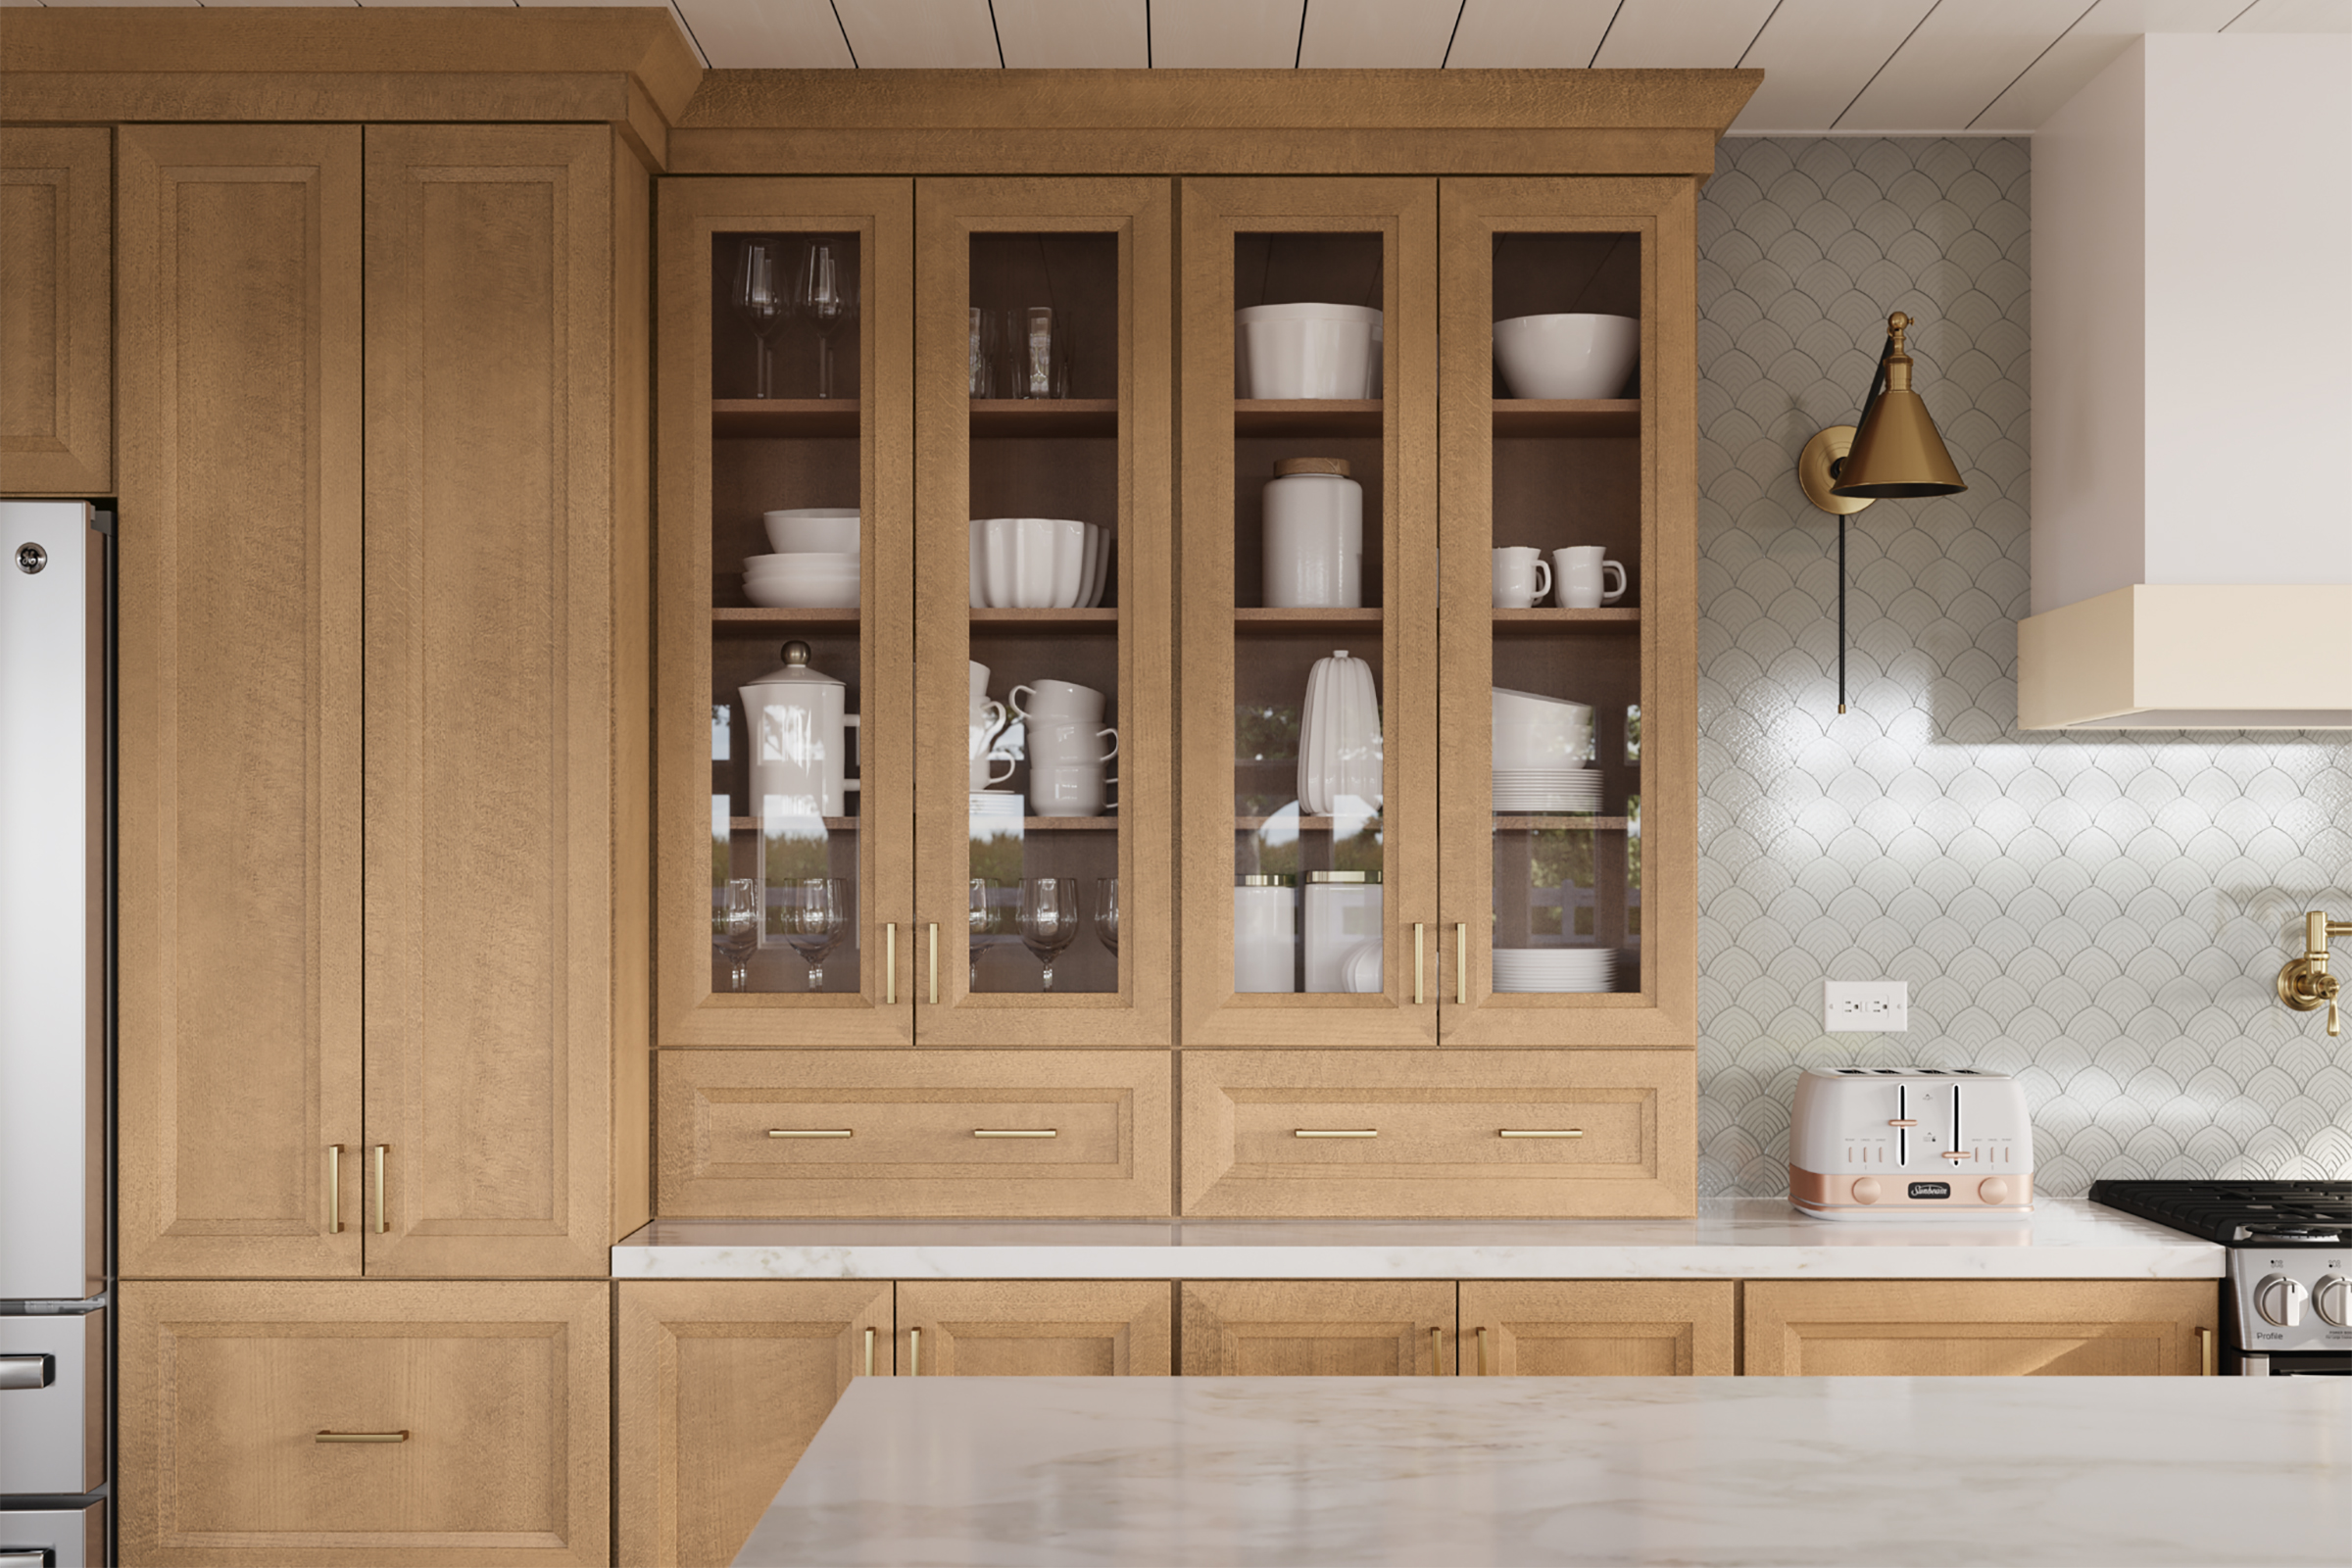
(1877, 385)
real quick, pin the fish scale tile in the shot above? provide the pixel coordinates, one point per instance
(2100, 914)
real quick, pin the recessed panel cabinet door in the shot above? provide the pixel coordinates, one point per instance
(55, 322)
(239, 720)
(1034, 1329)
(1599, 1328)
(490, 627)
(1318, 1328)
(1977, 1328)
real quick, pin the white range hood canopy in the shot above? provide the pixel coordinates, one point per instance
(2192, 392)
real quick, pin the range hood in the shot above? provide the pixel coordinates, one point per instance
(2192, 392)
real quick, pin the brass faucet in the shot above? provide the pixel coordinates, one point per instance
(2305, 984)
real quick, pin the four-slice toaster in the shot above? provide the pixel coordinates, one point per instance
(1909, 1143)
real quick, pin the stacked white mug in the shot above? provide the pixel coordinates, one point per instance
(987, 722)
(1066, 747)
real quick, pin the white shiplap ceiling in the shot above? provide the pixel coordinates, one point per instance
(1847, 66)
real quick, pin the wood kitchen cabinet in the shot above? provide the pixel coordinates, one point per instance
(460, 1424)
(1317, 1328)
(1049, 1328)
(56, 312)
(721, 1385)
(1978, 1328)
(1599, 1328)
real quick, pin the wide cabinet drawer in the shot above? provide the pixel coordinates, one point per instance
(366, 1421)
(855, 1133)
(1394, 1134)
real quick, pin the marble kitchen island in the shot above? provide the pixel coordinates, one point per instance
(1307, 1471)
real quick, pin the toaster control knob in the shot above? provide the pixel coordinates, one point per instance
(1993, 1190)
(1866, 1190)
(2331, 1299)
(2279, 1301)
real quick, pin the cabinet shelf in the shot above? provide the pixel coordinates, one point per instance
(754, 621)
(1067, 621)
(1521, 622)
(1252, 619)
(1570, 416)
(771, 417)
(1502, 824)
(1109, 823)
(833, 824)
(1306, 417)
(996, 417)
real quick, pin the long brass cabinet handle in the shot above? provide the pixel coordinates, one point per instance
(1335, 1131)
(1461, 963)
(934, 930)
(811, 1132)
(334, 1189)
(1436, 1351)
(1540, 1132)
(382, 1224)
(1481, 1349)
(914, 1353)
(1016, 1132)
(1419, 932)
(2206, 1359)
(890, 964)
(870, 1353)
(362, 1436)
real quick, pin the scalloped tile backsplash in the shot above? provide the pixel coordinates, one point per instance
(2099, 913)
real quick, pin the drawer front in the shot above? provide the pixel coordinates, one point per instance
(1037, 1133)
(1439, 1133)
(53, 1402)
(325, 1423)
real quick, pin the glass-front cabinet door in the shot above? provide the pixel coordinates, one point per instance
(1566, 548)
(1310, 634)
(785, 726)
(1044, 695)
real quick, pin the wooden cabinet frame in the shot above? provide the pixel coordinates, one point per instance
(1019, 1328)
(1809, 1328)
(57, 416)
(1318, 1328)
(1600, 1328)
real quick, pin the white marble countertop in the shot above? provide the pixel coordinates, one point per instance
(1302, 1471)
(1732, 1237)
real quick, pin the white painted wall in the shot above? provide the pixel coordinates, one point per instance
(2192, 318)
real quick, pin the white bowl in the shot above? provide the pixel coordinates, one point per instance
(1306, 351)
(1033, 562)
(798, 592)
(807, 564)
(1567, 356)
(812, 530)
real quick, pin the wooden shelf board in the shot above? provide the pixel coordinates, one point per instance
(1519, 623)
(1250, 617)
(1502, 824)
(1306, 417)
(995, 417)
(1571, 417)
(751, 623)
(833, 824)
(1109, 823)
(1082, 619)
(736, 417)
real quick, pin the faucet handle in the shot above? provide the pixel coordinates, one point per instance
(2305, 983)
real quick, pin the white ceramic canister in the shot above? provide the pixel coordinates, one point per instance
(1314, 536)
(1265, 934)
(800, 742)
(1342, 913)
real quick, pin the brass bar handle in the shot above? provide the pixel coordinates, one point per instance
(362, 1436)
(1015, 1132)
(2207, 1360)
(870, 1353)
(1540, 1132)
(812, 1132)
(334, 1189)
(890, 964)
(1436, 1351)
(1343, 1132)
(1419, 932)
(914, 1353)
(382, 1224)
(934, 929)
(1481, 1349)
(1461, 963)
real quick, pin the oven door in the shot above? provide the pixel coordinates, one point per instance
(2295, 1364)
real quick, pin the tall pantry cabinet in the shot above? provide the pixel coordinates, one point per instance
(383, 650)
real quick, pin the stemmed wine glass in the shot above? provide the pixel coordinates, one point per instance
(815, 914)
(982, 918)
(763, 297)
(735, 928)
(1048, 918)
(826, 293)
(1106, 912)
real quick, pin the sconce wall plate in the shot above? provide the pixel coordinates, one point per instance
(1815, 475)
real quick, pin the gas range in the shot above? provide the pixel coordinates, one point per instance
(2290, 1264)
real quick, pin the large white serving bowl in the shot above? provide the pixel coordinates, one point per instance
(1306, 351)
(1532, 730)
(812, 530)
(1033, 562)
(1567, 356)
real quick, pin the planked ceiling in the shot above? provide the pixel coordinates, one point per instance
(1847, 66)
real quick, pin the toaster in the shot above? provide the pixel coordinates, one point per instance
(1909, 1143)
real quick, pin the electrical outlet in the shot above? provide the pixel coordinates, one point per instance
(1867, 1006)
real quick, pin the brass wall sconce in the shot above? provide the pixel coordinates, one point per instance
(1892, 454)
(2305, 984)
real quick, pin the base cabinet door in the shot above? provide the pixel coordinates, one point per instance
(328, 1423)
(1599, 1328)
(1318, 1328)
(1979, 1328)
(1049, 1329)
(722, 1385)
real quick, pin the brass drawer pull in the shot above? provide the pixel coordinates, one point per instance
(334, 1189)
(382, 1223)
(811, 1132)
(890, 964)
(362, 1436)
(1540, 1132)
(1319, 1132)
(1436, 1351)
(1461, 963)
(2206, 1359)
(1481, 1349)
(914, 1353)
(1015, 1132)
(1419, 930)
(870, 1353)
(933, 928)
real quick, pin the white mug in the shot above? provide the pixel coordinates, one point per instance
(1057, 699)
(1521, 577)
(1581, 574)
(1055, 743)
(988, 720)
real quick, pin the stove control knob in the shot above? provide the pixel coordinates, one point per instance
(2331, 1299)
(2279, 1301)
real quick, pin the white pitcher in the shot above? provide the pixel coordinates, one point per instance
(800, 743)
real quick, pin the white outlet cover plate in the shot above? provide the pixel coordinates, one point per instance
(1867, 1007)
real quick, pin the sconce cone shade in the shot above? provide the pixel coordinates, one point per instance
(1898, 453)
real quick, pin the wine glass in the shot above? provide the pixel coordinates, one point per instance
(982, 918)
(815, 914)
(735, 928)
(763, 297)
(826, 293)
(1048, 918)
(1106, 912)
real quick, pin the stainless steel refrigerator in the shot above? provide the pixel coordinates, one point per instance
(55, 880)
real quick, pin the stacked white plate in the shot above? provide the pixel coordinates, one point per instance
(1575, 791)
(1555, 969)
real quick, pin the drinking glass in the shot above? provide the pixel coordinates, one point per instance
(1106, 912)
(815, 914)
(763, 299)
(826, 293)
(982, 918)
(735, 928)
(986, 328)
(1048, 918)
